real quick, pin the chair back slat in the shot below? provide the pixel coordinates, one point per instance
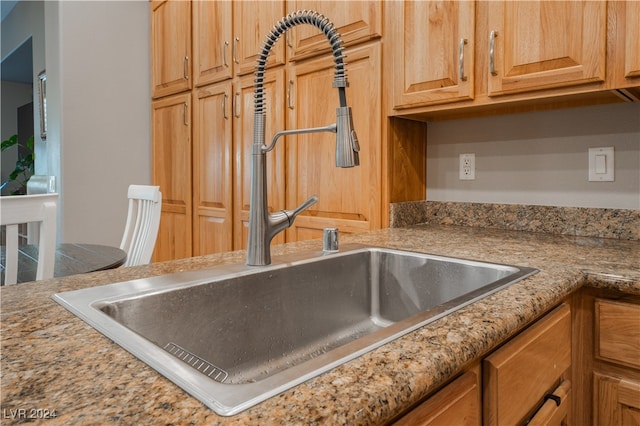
(143, 221)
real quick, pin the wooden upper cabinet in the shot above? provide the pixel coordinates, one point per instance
(212, 41)
(433, 58)
(171, 47)
(624, 30)
(252, 21)
(545, 44)
(632, 40)
(356, 21)
(212, 170)
(171, 170)
(349, 198)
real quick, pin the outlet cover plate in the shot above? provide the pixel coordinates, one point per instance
(468, 166)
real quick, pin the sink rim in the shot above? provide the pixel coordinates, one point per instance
(231, 399)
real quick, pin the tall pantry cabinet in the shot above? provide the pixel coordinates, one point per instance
(203, 59)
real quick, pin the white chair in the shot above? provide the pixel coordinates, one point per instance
(18, 209)
(143, 221)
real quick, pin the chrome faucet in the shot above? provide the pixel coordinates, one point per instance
(262, 225)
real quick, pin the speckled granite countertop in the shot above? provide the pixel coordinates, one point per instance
(51, 360)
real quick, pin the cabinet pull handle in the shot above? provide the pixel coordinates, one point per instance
(236, 105)
(224, 107)
(492, 45)
(185, 68)
(290, 94)
(185, 110)
(287, 37)
(224, 54)
(463, 41)
(235, 50)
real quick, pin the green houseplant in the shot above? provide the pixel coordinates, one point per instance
(24, 168)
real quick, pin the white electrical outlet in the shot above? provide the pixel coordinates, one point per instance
(468, 166)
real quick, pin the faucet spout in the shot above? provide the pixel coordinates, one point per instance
(262, 225)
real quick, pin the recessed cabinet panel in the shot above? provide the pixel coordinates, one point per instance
(348, 197)
(545, 44)
(434, 57)
(171, 170)
(632, 40)
(243, 116)
(171, 47)
(212, 170)
(356, 21)
(212, 41)
(617, 332)
(250, 34)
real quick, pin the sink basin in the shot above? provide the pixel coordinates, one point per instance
(235, 335)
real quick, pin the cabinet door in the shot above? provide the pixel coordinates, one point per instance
(456, 404)
(517, 376)
(171, 170)
(274, 93)
(433, 60)
(212, 41)
(545, 44)
(212, 170)
(171, 47)
(349, 197)
(617, 332)
(616, 401)
(356, 21)
(253, 20)
(632, 40)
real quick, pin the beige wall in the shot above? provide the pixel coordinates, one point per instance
(538, 158)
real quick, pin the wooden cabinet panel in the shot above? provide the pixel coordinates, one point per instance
(356, 21)
(632, 40)
(250, 34)
(171, 47)
(434, 49)
(348, 198)
(171, 170)
(616, 401)
(517, 376)
(212, 170)
(212, 41)
(617, 332)
(545, 44)
(456, 404)
(274, 94)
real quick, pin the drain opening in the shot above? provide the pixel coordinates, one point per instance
(203, 366)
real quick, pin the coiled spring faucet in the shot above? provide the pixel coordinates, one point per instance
(262, 225)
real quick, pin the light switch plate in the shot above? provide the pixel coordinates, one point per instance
(601, 164)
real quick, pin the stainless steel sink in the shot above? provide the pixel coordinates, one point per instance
(234, 335)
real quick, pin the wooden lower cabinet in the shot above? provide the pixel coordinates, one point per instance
(517, 376)
(616, 401)
(457, 404)
(527, 380)
(616, 350)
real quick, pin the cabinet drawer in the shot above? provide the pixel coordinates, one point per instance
(617, 332)
(518, 375)
(456, 404)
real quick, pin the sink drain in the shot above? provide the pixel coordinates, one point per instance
(203, 366)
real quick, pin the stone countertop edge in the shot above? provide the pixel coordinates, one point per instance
(51, 360)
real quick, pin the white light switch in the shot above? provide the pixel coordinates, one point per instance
(601, 164)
